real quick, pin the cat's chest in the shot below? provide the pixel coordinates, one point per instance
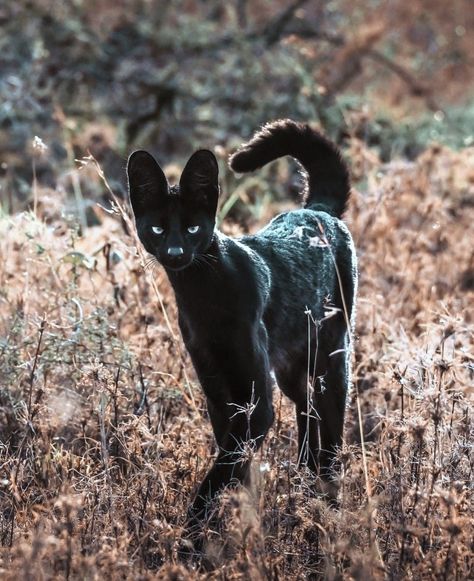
(206, 325)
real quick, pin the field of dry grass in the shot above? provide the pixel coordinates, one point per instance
(103, 428)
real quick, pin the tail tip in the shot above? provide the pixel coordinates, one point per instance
(238, 161)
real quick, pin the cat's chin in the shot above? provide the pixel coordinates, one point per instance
(177, 268)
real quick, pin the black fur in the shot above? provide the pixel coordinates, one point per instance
(280, 300)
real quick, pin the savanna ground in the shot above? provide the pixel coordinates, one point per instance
(103, 428)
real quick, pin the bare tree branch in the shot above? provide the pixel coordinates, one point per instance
(274, 30)
(418, 88)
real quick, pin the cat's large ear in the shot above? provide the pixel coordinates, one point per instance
(147, 182)
(200, 179)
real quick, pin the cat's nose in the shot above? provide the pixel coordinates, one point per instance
(175, 251)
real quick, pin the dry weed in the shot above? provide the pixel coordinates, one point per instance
(103, 438)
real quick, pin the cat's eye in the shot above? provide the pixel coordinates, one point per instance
(193, 229)
(157, 230)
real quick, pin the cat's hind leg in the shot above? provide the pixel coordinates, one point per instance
(295, 382)
(330, 403)
(317, 382)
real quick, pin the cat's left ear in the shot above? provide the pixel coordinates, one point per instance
(200, 179)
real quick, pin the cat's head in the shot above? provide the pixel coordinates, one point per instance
(175, 223)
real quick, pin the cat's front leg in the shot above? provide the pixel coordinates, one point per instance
(246, 433)
(242, 418)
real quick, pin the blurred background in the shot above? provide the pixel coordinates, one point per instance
(103, 77)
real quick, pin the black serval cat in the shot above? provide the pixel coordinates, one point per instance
(280, 300)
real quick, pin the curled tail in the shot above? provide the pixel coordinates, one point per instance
(327, 179)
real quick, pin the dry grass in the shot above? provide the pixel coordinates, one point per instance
(103, 437)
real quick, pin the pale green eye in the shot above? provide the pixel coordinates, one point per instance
(193, 229)
(157, 230)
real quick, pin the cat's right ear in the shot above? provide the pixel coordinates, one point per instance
(147, 182)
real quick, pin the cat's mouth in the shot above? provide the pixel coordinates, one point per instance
(178, 263)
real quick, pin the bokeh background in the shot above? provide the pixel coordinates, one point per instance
(104, 433)
(105, 77)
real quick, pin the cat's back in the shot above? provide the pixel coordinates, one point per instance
(301, 238)
(301, 250)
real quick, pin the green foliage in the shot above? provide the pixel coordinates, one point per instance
(452, 127)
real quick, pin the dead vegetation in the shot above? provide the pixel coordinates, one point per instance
(104, 435)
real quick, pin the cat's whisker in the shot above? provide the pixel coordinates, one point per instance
(205, 260)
